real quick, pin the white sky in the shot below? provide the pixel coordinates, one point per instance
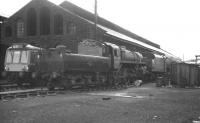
(173, 24)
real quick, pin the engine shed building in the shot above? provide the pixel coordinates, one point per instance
(2, 46)
(45, 24)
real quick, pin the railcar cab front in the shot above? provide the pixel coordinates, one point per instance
(18, 57)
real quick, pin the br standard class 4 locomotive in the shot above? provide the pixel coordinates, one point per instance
(57, 67)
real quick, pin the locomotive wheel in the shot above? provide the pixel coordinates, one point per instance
(50, 86)
(18, 82)
(66, 84)
(124, 81)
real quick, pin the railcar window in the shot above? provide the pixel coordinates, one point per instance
(24, 57)
(16, 56)
(9, 57)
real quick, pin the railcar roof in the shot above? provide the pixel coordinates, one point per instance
(23, 45)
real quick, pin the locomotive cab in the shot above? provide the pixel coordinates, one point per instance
(115, 55)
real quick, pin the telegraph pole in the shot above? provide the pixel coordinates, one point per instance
(95, 11)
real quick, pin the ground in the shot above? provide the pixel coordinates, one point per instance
(146, 104)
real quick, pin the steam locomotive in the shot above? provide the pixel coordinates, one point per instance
(58, 67)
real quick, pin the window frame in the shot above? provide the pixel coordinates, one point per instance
(58, 24)
(31, 22)
(12, 52)
(20, 28)
(71, 28)
(45, 21)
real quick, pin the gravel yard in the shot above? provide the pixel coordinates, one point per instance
(146, 104)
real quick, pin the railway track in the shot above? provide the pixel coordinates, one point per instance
(25, 93)
(11, 86)
(10, 90)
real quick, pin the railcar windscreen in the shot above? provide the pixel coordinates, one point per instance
(17, 56)
(9, 57)
(24, 57)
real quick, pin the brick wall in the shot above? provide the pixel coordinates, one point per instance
(83, 28)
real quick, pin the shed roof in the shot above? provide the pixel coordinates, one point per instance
(90, 16)
(115, 30)
(2, 17)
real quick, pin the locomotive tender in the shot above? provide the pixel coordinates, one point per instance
(58, 67)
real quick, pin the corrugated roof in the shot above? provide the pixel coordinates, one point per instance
(127, 38)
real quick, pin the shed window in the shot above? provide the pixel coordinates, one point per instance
(31, 22)
(58, 24)
(44, 21)
(20, 28)
(71, 28)
(8, 31)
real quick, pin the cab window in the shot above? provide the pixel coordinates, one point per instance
(105, 51)
(16, 57)
(24, 57)
(115, 53)
(9, 57)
